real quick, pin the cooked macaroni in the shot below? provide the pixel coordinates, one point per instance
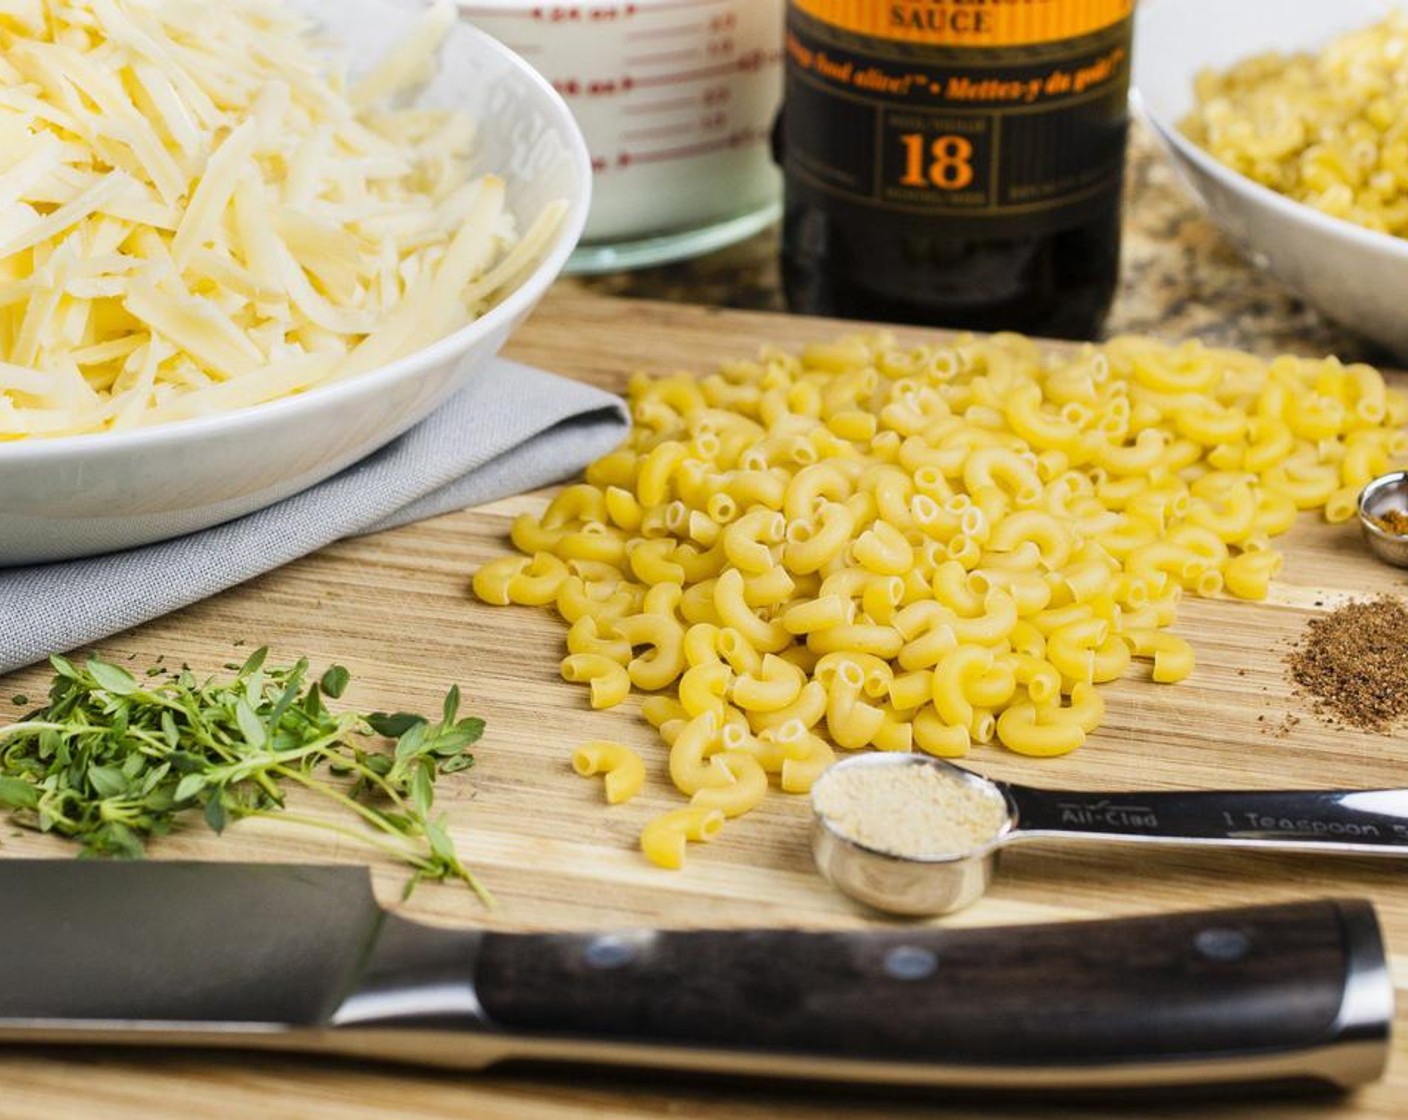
(1329, 129)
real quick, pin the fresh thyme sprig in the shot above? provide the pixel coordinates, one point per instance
(113, 760)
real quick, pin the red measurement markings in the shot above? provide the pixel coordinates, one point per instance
(711, 124)
(752, 62)
(684, 5)
(674, 31)
(664, 132)
(669, 105)
(740, 139)
(576, 13)
(661, 58)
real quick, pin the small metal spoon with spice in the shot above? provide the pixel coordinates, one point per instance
(909, 834)
(1383, 516)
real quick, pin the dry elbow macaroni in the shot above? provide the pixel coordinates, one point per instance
(876, 546)
(1328, 129)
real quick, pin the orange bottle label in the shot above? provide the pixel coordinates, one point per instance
(1005, 116)
(969, 23)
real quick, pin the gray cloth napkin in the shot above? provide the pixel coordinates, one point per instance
(512, 429)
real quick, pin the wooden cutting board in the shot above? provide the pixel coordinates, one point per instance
(395, 609)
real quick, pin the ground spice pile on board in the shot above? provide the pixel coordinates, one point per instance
(1353, 663)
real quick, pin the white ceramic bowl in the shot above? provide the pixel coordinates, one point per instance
(1354, 275)
(84, 495)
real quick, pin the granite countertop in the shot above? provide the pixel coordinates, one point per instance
(1180, 278)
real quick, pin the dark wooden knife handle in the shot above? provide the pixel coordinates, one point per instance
(1166, 988)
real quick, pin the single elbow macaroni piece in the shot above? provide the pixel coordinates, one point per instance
(851, 722)
(818, 614)
(878, 641)
(954, 677)
(768, 589)
(1249, 574)
(585, 636)
(664, 637)
(703, 688)
(741, 657)
(812, 541)
(883, 550)
(894, 734)
(812, 486)
(933, 735)
(624, 770)
(808, 710)
(800, 773)
(1039, 731)
(748, 541)
(651, 561)
(492, 580)
(529, 536)
(579, 503)
(747, 788)
(776, 685)
(1072, 648)
(733, 611)
(663, 839)
(692, 754)
(1173, 657)
(609, 681)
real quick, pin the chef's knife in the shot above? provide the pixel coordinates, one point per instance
(302, 958)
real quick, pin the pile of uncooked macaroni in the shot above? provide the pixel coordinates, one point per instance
(871, 545)
(1329, 129)
(197, 213)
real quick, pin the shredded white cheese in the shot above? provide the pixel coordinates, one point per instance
(196, 214)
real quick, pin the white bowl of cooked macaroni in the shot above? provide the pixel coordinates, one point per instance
(1319, 174)
(180, 348)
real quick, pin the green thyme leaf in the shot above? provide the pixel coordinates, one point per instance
(115, 680)
(393, 726)
(334, 681)
(16, 793)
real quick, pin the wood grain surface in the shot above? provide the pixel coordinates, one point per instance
(395, 609)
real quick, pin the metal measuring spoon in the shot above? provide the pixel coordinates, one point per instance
(1342, 822)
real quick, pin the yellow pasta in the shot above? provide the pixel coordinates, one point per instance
(1173, 657)
(927, 548)
(1249, 574)
(746, 789)
(1327, 129)
(610, 684)
(622, 768)
(663, 839)
(776, 685)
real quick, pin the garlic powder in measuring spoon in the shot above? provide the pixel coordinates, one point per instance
(914, 812)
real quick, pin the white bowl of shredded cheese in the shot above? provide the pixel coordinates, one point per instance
(1354, 274)
(243, 275)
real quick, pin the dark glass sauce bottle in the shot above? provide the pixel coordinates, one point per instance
(955, 163)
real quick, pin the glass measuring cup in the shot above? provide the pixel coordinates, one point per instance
(1343, 822)
(676, 99)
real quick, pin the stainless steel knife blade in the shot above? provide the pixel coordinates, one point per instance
(303, 959)
(85, 940)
